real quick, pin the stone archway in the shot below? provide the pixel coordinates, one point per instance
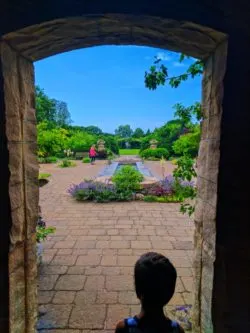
(20, 189)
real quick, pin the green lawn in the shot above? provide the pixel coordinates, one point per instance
(129, 151)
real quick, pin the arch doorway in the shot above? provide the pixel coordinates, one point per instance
(30, 33)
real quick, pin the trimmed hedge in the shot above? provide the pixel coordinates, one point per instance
(157, 153)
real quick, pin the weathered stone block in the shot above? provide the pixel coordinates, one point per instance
(14, 127)
(29, 131)
(207, 191)
(15, 163)
(211, 127)
(17, 233)
(208, 160)
(88, 316)
(17, 288)
(31, 206)
(16, 196)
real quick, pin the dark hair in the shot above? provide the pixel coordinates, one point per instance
(155, 279)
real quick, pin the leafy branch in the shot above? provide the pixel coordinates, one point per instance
(158, 74)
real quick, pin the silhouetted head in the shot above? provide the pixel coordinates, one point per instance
(155, 279)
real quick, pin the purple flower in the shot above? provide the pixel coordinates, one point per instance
(186, 183)
(90, 185)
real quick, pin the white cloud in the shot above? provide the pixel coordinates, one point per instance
(178, 64)
(163, 56)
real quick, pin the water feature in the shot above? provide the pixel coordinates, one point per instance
(111, 169)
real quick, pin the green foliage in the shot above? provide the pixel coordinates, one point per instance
(167, 134)
(145, 142)
(86, 160)
(188, 144)
(130, 143)
(51, 140)
(44, 175)
(129, 151)
(185, 114)
(98, 192)
(157, 153)
(62, 114)
(127, 179)
(43, 232)
(138, 133)
(158, 74)
(47, 160)
(93, 130)
(185, 170)
(165, 199)
(50, 110)
(110, 143)
(124, 131)
(81, 141)
(103, 196)
(45, 107)
(66, 163)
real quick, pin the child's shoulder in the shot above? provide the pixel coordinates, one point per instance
(120, 327)
(123, 325)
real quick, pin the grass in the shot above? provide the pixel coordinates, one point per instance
(44, 175)
(129, 151)
(170, 198)
(66, 163)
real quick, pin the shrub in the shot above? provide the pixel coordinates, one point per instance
(42, 233)
(86, 160)
(66, 164)
(175, 188)
(51, 141)
(44, 175)
(98, 192)
(47, 160)
(167, 199)
(187, 144)
(81, 141)
(163, 187)
(111, 143)
(157, 153)
(127, 179)
(134, 143)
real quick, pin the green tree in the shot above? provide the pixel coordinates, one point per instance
(158, 74)
(45, 107)
(124, 131)
(138, 133)
(51, 141)
(62, 114)
(81, 141)
(93, 130)
(168, 133)
(188, 144)
(186, 114)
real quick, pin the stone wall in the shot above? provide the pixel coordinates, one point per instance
(206, 204)
(18, 81)
(221, 264)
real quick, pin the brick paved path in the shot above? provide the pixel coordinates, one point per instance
(86, 280)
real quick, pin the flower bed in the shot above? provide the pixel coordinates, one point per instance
(126, 186)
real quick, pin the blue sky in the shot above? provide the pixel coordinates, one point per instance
(104, 86)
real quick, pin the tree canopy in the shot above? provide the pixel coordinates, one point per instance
(124, 131)
(138, 133)
(52, 111)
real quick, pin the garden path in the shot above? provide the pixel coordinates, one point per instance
(86, 280)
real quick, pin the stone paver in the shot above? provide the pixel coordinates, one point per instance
(86, 279)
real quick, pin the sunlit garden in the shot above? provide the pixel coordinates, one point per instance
(99, 212)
